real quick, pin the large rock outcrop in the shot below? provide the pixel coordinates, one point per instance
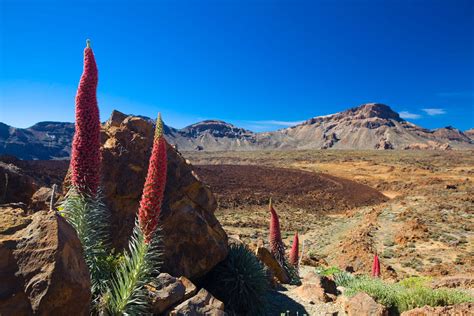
(194, 240)
(42, 268)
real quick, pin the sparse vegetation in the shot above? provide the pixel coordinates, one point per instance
(406, 294)
(328, 271)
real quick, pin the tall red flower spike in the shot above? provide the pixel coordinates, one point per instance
(85, 156)
(276, 244)
(294, 251)
(376, 267)
(153, 191)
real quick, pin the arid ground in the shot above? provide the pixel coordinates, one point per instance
(414, 208)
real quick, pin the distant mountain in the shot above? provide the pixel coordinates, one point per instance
(212, 135)
(44, 140)
(369, 126)
(470, 133)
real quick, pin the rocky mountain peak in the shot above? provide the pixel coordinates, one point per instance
(216, 128)
(373, 110)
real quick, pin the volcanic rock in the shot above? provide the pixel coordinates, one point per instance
(203, 303)
(42, 268)
(312, 293)
(165, 292)
(41, 199)
(194, 241)
(190, 288)
(384, 144)
(364, 305)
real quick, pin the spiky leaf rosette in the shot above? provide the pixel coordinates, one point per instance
(240, 281)
(141, 263)
(152, 198)
(89, 217)
(376, 267)
(277, 247)
(85, 155)
(294, 251)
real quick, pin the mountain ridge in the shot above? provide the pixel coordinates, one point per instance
(368, 126)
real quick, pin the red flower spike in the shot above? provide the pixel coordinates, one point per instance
(85, 155)
(276, 244)
(153, 191)
(376, 267)
(294, 251)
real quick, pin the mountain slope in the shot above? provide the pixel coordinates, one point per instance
(369, 126)
(44, 140)
(470, 133)
(212, 135)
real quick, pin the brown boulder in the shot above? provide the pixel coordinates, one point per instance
(190, 287)
(165, 292)
(464, 309)
(203, 303)
(15, 185)
(42, 268)
(316, 288)
(311, 293)
(364, 305)
(264, 255)
(41, 199)
(328, 285)
(195, 241)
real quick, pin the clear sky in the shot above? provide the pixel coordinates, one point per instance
(261, 64)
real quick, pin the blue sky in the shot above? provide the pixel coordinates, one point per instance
(261, 64)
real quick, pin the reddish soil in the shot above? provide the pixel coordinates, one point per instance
(243, 185)
(44, 172)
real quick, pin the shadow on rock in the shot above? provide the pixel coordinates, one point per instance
(279, 303)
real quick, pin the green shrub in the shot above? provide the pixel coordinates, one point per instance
(240, 281)
(382, 292)
(343, 278)
(407, 294)
(421, 296)
(328, 271)
(415, 282)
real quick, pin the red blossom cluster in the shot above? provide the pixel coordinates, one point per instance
(85, 156)
(276, 244)
(153, 191)
(294, 251)
(376, 267)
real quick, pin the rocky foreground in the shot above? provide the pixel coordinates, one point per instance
(41, 262)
